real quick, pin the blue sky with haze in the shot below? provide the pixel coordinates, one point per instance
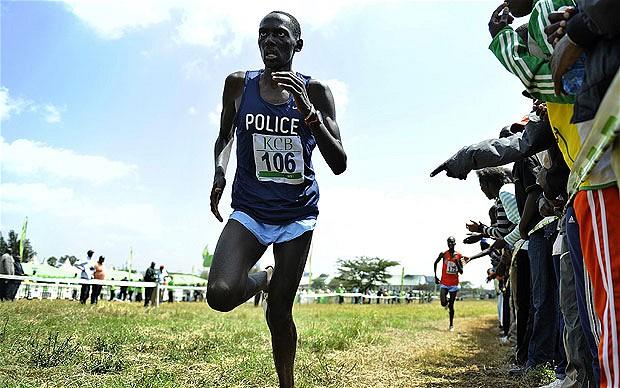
(110, 112)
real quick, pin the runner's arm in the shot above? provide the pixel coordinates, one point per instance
(327, 133)
(435, 266)
(233, 87)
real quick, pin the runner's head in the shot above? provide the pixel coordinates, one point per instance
(90, 253)
(492, 179)
(101, 259)
(520, 8)
(451, 242)
(279, 38)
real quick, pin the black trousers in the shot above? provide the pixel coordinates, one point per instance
(523, 303)
(84, 293)
(506, 311)
(148, 293)
(94, 295)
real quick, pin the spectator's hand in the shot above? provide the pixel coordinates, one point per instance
(500, 18)
(474, 227)
(498, 244)
(437, 280)
(523, 232)
(472, 238)
(545, 208)
(219, 182)
(558, 19)
(445, 166)
(564, 56)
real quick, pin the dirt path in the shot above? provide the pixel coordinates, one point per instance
(434, 357)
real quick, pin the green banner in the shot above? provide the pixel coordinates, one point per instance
(605, 129)
(22, 240)
(207, 258)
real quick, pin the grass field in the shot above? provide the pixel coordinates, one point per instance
(59, 343)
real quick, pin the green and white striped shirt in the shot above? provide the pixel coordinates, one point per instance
(531, 63)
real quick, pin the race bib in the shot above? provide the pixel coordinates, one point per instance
(451, 268)
(278, 158)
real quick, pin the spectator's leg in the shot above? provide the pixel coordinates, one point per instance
(506, 311)
(544, 307)
(590, 324)
(598, 212)
(523, 306)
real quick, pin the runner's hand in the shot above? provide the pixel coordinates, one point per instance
(558, 19)
(500, 18)
(290, 82)
(437, 280)
(564, 56)
(219, 182)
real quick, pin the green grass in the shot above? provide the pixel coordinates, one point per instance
(59, 343)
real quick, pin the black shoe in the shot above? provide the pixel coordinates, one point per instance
(519, 370)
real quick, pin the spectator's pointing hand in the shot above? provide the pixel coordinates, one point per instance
(450, 172)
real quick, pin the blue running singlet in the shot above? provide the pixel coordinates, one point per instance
(274, 182)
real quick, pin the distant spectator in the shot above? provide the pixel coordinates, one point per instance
(170, 291)
(7, 267)
(19, 271)
(340, 290)
(112, 292)
(99, 274)
(123, 293)
(149, 276)
(86, 273)
(162, 279)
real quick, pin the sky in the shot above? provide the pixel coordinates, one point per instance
(110, 109)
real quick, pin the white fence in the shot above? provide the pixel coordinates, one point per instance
(34, 287)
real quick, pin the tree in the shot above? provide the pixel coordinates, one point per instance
(364, 272)
(52, 261)
(319, 282)
(72, 259)
(466, 285)
(3, 245)
(13, 246)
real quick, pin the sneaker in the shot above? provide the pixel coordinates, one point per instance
(504, 341)
(264, 304)
(269, 270)
(519, 370)
(451, 328)
(556, 384)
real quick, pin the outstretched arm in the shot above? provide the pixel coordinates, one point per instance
(310, 99)
(233, 87)
(536, 137)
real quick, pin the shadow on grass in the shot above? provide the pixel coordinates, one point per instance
(479, 362)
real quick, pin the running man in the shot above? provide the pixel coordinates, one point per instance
(452, 267)
(279, 116)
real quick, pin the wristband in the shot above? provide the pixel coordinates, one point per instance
(312, 111)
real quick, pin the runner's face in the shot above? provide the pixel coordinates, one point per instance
(277, 42)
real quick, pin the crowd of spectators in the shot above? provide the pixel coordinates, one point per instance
(555, 253)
